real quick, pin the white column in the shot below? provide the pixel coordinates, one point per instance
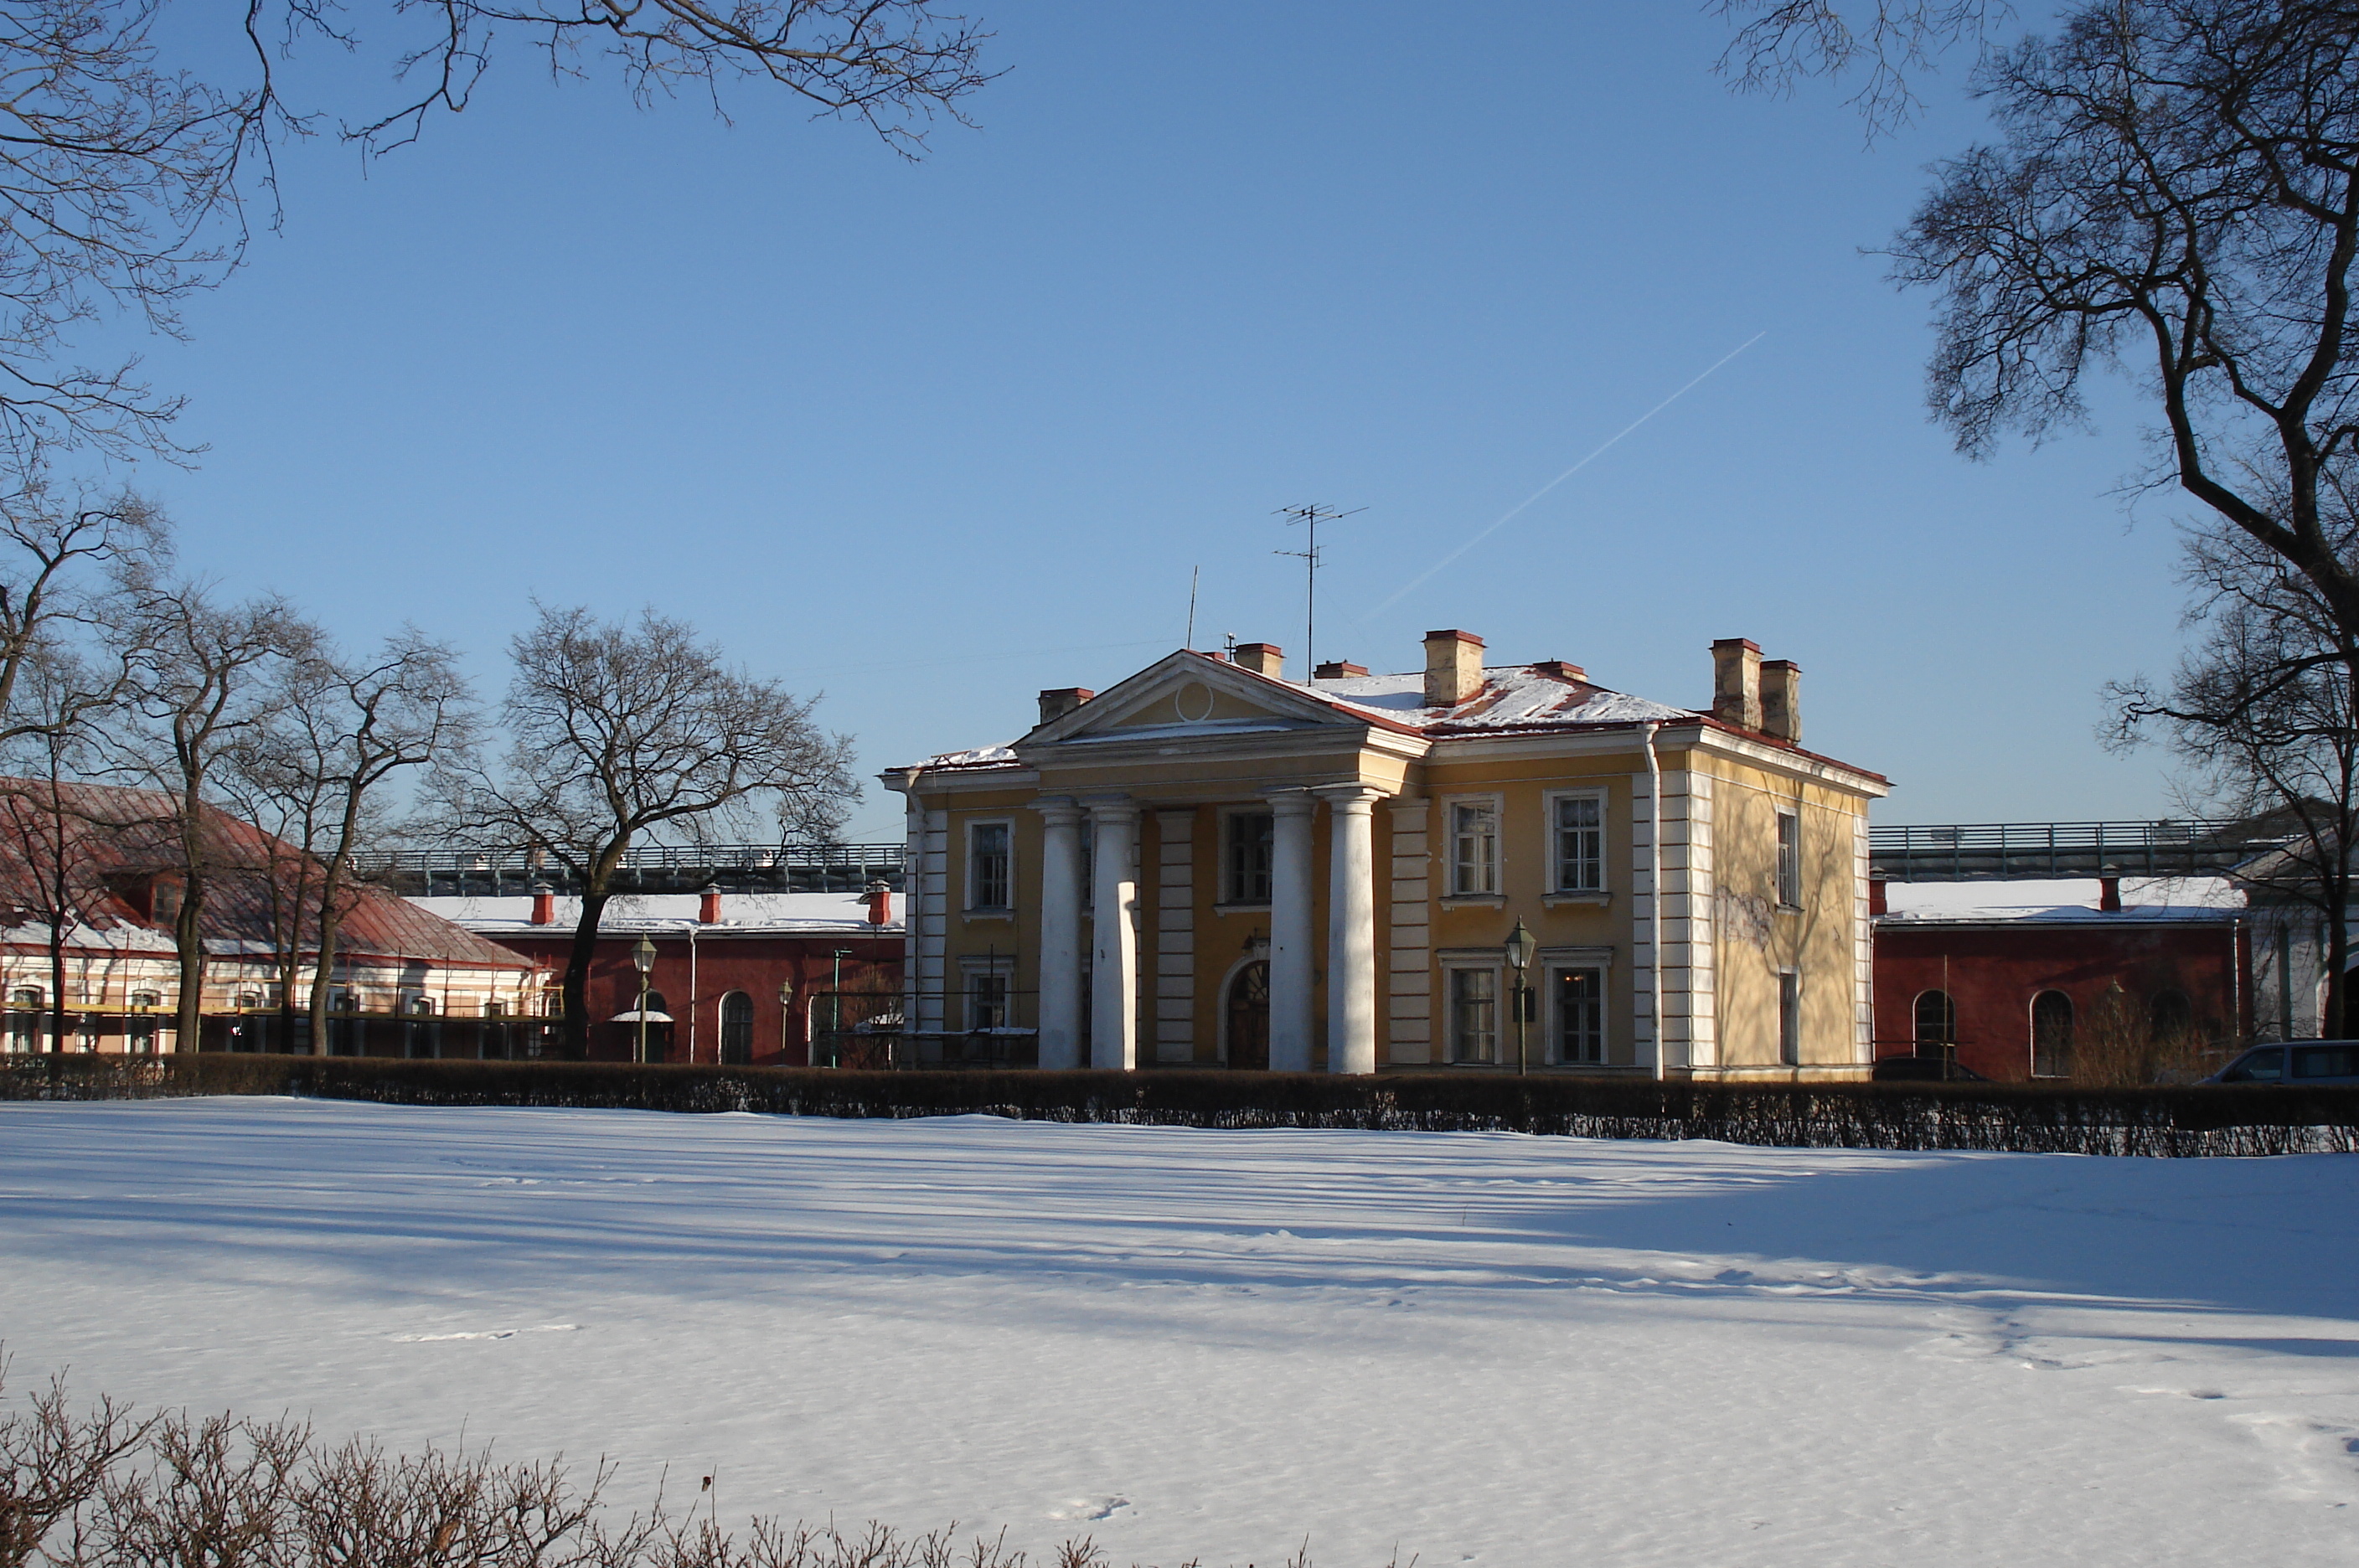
(1351, 928)
(1113, 1001)
(1175, 937)
(1059, 1011)
(1290, 1014)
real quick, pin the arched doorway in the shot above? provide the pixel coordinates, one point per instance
(736, 1030)
(1248, 1017)
(2051, 1035)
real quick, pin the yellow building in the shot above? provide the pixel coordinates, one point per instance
(1334, 875)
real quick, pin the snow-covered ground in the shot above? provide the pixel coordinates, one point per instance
(1484, 1348)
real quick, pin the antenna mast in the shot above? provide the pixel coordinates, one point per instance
(1313, 515)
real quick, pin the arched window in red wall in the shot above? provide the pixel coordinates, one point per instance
(1937, 1022)
(2171, 1015)
(2051, 1035)
(736, 1028)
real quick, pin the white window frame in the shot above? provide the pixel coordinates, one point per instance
(1229, 901)
(1000, 967)
(1788, 869)
(1552, 807)
(1790, 1018)
(1452, 966)
(1552, 1010)
(1451, 864)
(970, 880)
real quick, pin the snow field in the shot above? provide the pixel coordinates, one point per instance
(1477, 1347)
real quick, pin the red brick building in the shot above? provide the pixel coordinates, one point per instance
(2005, 971)
(757, 979)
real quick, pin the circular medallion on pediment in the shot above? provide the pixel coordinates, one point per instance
(1193, 702)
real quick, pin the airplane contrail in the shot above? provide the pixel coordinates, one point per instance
(1513, 512)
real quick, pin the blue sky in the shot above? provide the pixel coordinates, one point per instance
(927, 438)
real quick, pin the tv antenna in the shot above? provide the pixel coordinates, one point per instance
(1311, 515)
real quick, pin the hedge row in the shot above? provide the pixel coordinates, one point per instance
(2024, 1119)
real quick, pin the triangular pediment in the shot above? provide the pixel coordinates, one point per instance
(1188, 694)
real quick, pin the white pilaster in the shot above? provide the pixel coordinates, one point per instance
(1409, 978)
(1114, 976)
(1175, 936)
(1060, 1010)
(1290, 1015)
(1351, 928)
(1862, 939)
(927, 912)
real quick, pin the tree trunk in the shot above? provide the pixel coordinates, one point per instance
(188, 937)
(57, 979)
(576, 988)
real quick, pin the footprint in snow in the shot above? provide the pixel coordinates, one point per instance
(1092, 1510)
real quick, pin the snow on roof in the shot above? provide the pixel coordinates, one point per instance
(2144, 898)
(1513, 696)
(742, 914)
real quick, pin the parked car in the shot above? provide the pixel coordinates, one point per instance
(2319, 1062)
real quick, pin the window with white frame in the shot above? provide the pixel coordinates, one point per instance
(25, 1019)
(1247, 873)
(1789, 1019)
(1789, 860)
(139, 1028)
(1473, 848)
(1578, 1020)
(988, 988)
(1474, 1001)
(1579, 835)
(990, 870)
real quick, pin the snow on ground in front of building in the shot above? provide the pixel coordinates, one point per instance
(2156, 896)
(1484, 1348)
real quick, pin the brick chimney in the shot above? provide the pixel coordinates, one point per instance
(1453, 668)
(2109, 894)
(1338, 670)
(1262, 659)
(1877, 904)
(880, 904)
(1063, 699)
(707, 907)
(1737, 682)
(1781, 699)
(544, 906)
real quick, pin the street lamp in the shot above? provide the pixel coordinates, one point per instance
(643, 959)
(1521, 944)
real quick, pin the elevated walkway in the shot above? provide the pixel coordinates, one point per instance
(655, 868)
(2018, 851)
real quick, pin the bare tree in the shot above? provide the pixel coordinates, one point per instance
(48, 598)
(622, 731)
(2264, 711)
(2176, 198)
(311, 774)
(63, 702)
(124, 179)
(203, 682)
(1892, 43)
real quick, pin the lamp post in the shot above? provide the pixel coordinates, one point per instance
(643, 959)
(1520, 946)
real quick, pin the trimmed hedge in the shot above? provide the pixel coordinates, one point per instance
(2024, 1118)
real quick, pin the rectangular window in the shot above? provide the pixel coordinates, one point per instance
(1473, 848)
(1474, 1015)
(1789, 860)
(1789, 1019)
(986, 1001)
(1579, 843)
(988, 881)
(1580, 1017)
(1250, 837)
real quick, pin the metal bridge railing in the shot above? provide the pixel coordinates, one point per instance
(2001, 850)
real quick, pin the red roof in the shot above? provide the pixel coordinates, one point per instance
(119, 841)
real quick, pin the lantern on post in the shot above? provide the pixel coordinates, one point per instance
(1520, 946)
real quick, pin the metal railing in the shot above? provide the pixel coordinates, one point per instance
(791, 867)
(2019, 851)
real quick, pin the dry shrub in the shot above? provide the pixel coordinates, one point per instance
(2117, 1047)
(104, 1488)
